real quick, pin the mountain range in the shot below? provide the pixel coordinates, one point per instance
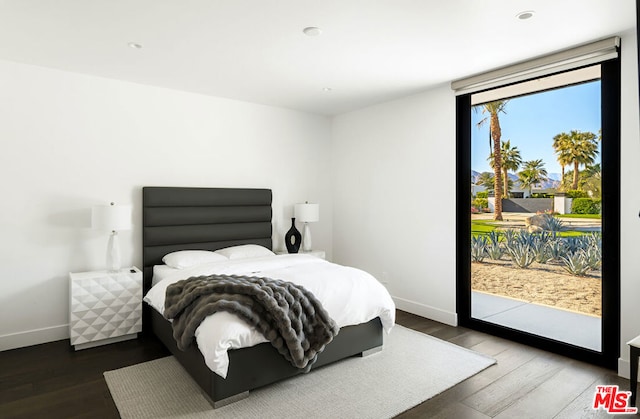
(553, 181)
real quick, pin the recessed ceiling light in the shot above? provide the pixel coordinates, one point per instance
(134, 45)
(326, 89)
(528, 14)
(312, 31)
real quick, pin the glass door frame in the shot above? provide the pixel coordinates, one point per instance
(610, 158)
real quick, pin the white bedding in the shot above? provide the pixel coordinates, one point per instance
(350, 296)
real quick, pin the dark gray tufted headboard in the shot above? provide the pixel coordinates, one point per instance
(176, 218)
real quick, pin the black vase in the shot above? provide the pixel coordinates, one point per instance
(293, 238)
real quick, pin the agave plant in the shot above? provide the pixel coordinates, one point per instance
(594, 240)
(494, 237)
(510, 236)
(522, 255)
(495, 250)
(591, 239)
(576, 263)
(545, 237)
(542, 252)
(526, 238)
(593, 258)
(556, 249)
(478, 248)
(572, 244)
(554, 224)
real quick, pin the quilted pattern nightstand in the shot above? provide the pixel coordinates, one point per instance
(106, 307)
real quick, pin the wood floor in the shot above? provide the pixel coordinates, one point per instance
(53, 381)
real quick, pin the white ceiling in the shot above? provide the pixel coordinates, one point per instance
(254, 50)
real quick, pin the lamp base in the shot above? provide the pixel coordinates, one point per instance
(306, 238)
(113, 253)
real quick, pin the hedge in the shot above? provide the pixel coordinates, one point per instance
(585, 206)
(574, 193)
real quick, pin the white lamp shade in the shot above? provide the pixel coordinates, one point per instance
(307, 213)
(111, 217)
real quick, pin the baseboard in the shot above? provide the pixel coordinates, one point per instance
(34, 337)
(623, 368)
(429, 312)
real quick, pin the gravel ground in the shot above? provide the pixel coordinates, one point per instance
(547, 284)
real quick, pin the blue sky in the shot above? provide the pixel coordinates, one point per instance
(532, 121)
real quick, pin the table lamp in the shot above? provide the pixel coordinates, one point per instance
(307, 213)
(112, 218)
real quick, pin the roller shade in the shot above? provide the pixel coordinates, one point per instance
(583, 55)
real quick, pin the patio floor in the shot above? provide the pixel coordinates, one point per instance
(562, 325)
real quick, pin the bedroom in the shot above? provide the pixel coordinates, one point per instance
(72, 140)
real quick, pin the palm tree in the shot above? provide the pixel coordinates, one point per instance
(584, 152)
(511, 160)
(561, 146)
(591, 180)
(532, 174)
(577, 147)
(493, 109)
(486, 179)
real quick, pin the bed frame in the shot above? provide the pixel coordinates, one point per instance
(210, 219)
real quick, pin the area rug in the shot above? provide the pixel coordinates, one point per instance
(411, 368)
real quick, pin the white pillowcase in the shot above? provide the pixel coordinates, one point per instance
(245, 251)
(184, 259)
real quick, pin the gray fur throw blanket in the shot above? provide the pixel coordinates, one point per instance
(288, 315)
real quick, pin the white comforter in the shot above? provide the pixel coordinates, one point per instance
(350, 296)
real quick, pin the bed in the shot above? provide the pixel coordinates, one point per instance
(177, 219)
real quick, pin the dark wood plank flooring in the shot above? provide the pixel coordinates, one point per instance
(53, 381)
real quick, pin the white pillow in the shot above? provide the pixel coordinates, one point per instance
(245, 251)
(183, 259)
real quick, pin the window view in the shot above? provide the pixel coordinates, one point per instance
(536, 246)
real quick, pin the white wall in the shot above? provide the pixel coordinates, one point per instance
(394, 198)
(71, 141)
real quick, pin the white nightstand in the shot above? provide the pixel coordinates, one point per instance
(317, 253)
(106, 307)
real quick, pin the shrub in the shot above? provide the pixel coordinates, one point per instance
(585, 206)
(480, 203)
(482, 194)
(574, 193)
